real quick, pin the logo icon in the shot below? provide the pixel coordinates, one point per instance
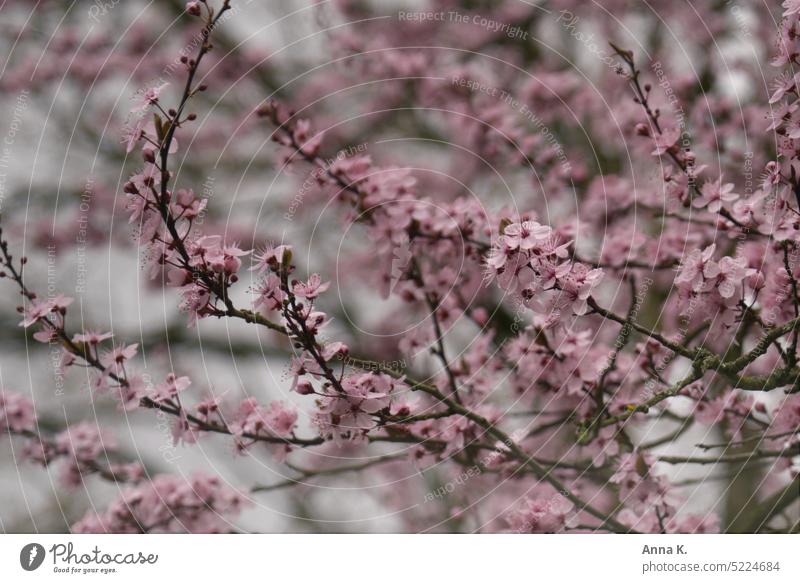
(31, 556)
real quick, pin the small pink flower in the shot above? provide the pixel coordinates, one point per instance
(170, 388)
(114, 359)
(713, 194)
(148, 97)
(526, 235)
(666, 140)
(92, 338)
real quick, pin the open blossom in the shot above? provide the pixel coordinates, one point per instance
(271, 258)
(281, 419)
(134, 133)
(132, 392)
(114, 360)
(186, 205)
(732, 273)
(211, 253)
(526, 235)
(641, 487)
(698, 268)
(787, 414)
(38, 310)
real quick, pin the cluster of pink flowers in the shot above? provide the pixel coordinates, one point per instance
(533, 260)
(715, 288)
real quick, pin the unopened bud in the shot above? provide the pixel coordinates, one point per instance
(193, 8)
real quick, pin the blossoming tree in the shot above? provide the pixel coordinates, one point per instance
(520, 278)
